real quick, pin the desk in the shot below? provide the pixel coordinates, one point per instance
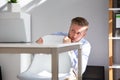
(53, 49)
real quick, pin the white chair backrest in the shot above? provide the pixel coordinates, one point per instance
(43, 61)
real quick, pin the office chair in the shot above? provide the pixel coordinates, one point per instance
(40, 68)
(94, 73)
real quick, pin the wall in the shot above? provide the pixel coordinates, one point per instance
(54, 15)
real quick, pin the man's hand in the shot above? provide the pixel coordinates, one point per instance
(39, 41)
(66, 39)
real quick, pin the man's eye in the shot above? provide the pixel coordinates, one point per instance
(72, 30)
(79, 33)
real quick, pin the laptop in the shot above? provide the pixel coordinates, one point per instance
(13, 30)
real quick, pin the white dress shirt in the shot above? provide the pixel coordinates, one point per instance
(85, 47)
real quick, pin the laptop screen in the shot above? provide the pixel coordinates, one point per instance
(13, 30)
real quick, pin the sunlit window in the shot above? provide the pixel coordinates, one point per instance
(2, 3)
(24, 2)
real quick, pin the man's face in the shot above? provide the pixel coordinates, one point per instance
(76, 32)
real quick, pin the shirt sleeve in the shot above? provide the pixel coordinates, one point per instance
(60, 33)
(85, 50)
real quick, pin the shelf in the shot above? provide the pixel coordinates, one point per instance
(114, 37)
(116, 66)
(114, 9)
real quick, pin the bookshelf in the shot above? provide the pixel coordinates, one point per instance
(114, 38)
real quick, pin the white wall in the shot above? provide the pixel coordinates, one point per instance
(55, 15)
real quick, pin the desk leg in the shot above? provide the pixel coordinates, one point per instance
(79, 64)
(54, 65)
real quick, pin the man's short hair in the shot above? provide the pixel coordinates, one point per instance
(80, 21)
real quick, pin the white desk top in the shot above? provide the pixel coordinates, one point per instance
(36, 45)
(28, 47)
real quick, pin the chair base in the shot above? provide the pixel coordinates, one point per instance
(34, 76)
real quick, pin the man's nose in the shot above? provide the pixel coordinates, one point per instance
(74, 35)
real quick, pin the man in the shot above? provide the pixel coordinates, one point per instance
(77, 32)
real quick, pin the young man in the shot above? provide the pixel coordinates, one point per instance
(77, 32)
